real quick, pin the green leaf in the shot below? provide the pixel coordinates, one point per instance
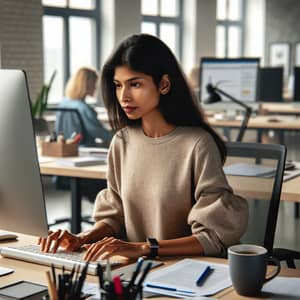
(41, 101)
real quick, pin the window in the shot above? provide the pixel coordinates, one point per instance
(230, 28)
(163, 18)
(71, 39)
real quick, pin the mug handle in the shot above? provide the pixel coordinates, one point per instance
(277, 263)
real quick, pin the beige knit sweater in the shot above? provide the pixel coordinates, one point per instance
(169, 187)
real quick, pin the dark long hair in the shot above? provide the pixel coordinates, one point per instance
(149, 55)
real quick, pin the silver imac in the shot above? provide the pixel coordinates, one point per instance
(22, 203)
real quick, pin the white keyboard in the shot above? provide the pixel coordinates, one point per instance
(32, 253)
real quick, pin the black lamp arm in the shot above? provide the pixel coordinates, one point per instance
(248, 110)
(247, 107)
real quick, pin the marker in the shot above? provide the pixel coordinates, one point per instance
(77, 138)
(118, 285)
(203, 276)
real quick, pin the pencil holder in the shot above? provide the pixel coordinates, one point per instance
(135, 293)
(59, 149)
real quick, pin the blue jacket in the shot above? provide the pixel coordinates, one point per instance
(69, 122)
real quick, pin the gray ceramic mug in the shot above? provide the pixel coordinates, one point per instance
(248, 268)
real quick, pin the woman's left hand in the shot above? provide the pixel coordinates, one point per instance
(111, 246)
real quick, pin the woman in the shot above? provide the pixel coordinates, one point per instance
(165, 176)
(80, 85)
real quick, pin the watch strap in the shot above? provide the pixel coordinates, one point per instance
(154, 246)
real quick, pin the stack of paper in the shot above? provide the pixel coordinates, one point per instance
(179, 280)
(81, 161)
(93, 151)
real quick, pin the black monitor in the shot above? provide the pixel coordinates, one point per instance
(236, 76)
(22, 203)
(296, 93)
(270, 84)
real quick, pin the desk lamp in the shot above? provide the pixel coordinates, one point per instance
(214, 97)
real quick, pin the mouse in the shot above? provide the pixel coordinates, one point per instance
(7, 235)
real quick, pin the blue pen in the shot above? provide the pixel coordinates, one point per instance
(203, 276)
(135, 273)
(169, 289)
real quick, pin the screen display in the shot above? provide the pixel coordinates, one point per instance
(235, 76)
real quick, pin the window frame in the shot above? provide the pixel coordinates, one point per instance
(66, 13)
(226, 24)
(178, 21)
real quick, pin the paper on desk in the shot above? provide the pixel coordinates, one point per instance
(91, 289)
(182, 276)
(243, 169)
(292, 173)
(287, 288)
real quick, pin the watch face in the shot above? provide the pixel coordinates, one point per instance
(153, 243)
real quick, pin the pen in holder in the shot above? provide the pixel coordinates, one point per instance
(66, 286)
(115, 289)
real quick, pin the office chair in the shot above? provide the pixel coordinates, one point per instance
(270, 84)
(255, 172)
(69, 120)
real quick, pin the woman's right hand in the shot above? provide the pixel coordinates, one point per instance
(60, 238)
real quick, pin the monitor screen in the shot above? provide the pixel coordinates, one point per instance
(22, 204)
(235, 76)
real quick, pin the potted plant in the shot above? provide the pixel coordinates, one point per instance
(39, 107)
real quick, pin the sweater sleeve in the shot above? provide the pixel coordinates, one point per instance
(108, 206)
(218, 218)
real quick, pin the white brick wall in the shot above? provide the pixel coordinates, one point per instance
(21, 39)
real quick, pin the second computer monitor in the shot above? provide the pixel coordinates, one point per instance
(235, 76)
(270, 84)
(296, 91)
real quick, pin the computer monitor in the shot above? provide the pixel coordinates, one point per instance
(296, 84)
(235, 76)
(270, 84)
(22, 203)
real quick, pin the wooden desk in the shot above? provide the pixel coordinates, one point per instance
(261, 123)
(281, 108)
(290, 189)
(36, 273)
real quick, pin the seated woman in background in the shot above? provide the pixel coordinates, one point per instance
(165, 180)
(80, 85)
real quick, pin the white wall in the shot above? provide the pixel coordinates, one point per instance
(255, 28)
(120, 18)
(199, 27)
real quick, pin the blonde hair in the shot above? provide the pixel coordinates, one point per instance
(81, 84)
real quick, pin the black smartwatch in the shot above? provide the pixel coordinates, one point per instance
(153, 243)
